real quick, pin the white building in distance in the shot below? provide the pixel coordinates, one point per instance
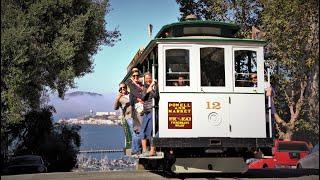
(105, 113)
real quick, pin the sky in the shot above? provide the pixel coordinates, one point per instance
(132, 18)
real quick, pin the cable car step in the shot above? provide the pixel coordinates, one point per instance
(159, 155)
(209, 165)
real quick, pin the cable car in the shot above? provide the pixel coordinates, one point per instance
(212, 108)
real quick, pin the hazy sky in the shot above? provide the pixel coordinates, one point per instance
(132, 17)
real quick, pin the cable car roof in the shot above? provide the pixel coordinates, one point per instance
(198, 28)
(193, 31)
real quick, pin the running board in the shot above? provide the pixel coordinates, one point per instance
(151, 162)
(159, 155)
(209, 165)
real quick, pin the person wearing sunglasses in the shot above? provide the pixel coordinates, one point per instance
(136, 87)
(136, 102)
(123, 101)
(149, 93)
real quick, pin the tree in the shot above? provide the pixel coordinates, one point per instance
(244, 13)
(292, 32)
(45, 45)
(57, 143)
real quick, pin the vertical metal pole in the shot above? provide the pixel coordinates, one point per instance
(269, 105)
(153, 100)
(153, 76)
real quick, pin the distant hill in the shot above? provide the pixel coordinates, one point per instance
(80, 93)
(79, 104)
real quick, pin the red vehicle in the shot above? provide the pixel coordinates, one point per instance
(286, 154)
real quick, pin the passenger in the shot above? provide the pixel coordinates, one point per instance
(123, 101)
(180, 82)
(253, 80)
(134, 70)
(136, 102)
(150, 92)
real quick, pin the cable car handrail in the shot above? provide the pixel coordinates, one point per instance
(244, 73)
(178, 73)
(171, 80)
(243, 80)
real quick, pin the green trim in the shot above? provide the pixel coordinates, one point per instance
(185, 39)
(199, 23)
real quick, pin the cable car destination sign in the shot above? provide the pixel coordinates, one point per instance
(179, 115)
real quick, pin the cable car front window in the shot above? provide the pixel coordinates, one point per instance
(177, 67)
(212, 66)
(246, 68)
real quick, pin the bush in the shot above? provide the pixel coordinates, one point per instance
(58, 144)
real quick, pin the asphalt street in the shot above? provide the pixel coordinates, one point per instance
(252, 174)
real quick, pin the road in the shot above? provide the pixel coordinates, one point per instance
(252, 174)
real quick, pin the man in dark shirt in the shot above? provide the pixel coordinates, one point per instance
(149, 93)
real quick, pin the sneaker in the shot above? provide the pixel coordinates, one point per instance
(136, 156)
(154, 154)
(145, 154)
(135, 153)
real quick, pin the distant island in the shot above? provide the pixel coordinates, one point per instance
(101, 118)
(78, 103)
(80, 93)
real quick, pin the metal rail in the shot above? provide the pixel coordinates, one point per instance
(101, 151)
(269, 105)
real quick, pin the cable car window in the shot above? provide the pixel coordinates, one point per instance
(246, 68)
(192, 31)
(177, 67)
(212, 66)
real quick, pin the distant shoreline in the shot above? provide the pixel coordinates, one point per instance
(111, 119)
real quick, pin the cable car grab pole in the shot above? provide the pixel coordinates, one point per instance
(269, 105)
(153, 100)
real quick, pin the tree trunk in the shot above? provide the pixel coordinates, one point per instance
(287, 133)
(288, 136)
(295, 110)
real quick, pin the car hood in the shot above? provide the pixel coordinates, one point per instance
(25, 165)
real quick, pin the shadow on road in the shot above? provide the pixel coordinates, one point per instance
(256, 173)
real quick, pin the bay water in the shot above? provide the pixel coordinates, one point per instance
(103, 137)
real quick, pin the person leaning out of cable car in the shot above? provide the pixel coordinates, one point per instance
(123, 101)
(149, 93)
(136, 87)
